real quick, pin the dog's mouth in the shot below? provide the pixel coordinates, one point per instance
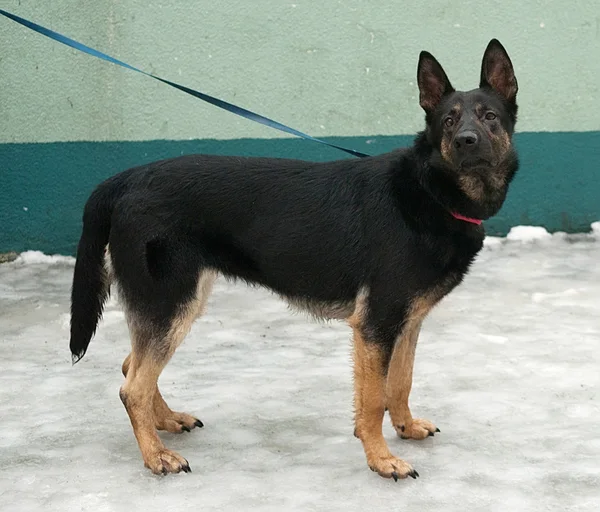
(476, 163)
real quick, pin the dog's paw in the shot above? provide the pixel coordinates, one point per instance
(165, 461)
(177, 422)
(416, 429)
(392, 467)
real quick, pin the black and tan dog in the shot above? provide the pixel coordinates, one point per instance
(375, 241)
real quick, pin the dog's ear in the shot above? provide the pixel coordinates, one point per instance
(433, 82)
(497, 71)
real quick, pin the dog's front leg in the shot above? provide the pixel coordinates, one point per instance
(399, 384)
(369, 402)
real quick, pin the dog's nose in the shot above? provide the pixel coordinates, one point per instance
(466, 140)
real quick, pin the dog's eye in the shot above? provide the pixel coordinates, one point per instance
(490, 116)
(448, 122)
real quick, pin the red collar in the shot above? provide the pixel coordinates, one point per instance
(466, 219)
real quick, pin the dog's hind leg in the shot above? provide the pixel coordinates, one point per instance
(165, 418)
(151, 350)
(153, 344)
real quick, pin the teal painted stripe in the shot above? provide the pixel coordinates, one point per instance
(44, 185)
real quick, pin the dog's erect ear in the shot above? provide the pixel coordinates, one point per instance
(433, 82)
(497, 71)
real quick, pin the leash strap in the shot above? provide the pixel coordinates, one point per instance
(234, 109)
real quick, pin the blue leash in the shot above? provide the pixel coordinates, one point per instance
(252, 116)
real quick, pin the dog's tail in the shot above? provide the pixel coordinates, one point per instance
(90, 280)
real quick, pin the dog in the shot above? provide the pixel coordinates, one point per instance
(377, 242)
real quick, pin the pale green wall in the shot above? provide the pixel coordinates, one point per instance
(326, 67)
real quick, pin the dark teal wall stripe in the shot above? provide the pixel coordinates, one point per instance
(43, 186)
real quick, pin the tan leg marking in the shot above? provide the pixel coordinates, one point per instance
(164, 417)
(400, 373)
(369, 405)
(145, 406)
(137, 395)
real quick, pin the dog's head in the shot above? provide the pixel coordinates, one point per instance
(471, 132)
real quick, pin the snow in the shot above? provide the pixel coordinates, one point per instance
(508, 367)
(528, 234)
(39, 257)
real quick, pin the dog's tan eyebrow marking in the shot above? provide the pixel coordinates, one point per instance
(456, 109)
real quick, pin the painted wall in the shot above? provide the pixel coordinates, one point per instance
(333, 69)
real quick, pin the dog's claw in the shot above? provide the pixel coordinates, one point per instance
(395, 476)
(185, 429)
(437, 430)
(198, 424)
(186, 468)
(413, 474)
(431, 434)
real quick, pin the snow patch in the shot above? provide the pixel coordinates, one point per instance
(527, 234)
(492, 242)
(492, 338)
(38, 257)
(541, 297)
(64, 320)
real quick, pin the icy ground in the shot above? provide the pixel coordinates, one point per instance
(508, 366)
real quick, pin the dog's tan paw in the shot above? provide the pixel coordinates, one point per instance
(165, 461)
(392, 467)
(177, 422)
(416, 429)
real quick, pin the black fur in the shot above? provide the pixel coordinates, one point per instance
(315, 233)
